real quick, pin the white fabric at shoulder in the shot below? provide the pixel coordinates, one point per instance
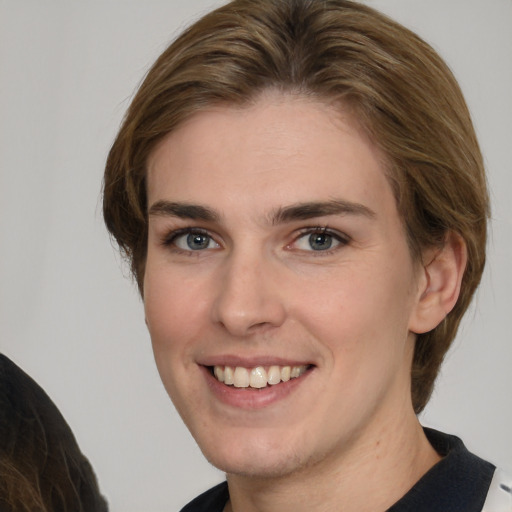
(499, 497)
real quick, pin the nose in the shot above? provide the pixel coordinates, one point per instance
(249, 298)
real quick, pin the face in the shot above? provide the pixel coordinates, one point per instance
(279, 289)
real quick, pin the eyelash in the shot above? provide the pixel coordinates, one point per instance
(340, 238)
(169, 240)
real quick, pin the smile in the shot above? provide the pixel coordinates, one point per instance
(258, 377)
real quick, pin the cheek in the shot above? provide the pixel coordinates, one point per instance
(173, 313)
(172, 306)
(362, 313)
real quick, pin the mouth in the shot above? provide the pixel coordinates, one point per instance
(259, 377)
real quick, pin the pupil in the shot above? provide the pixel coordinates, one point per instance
(197, 241)
(320, 241)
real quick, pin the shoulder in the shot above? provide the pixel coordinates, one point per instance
(212, 500)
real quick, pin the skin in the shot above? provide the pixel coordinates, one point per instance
(258, 292)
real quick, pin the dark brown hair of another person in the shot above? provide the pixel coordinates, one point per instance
(41, 466)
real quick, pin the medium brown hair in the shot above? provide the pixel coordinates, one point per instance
(344, 53)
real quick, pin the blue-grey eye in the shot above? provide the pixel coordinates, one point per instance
(198, 241)
(194, 241)
(320, 241)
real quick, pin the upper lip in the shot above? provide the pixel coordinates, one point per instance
(251, 362)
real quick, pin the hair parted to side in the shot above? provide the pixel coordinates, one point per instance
(346, 54)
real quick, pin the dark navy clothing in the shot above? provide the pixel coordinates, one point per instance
(213, 500)
(457, 483)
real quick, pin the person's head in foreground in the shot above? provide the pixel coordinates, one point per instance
(42, 468)
(299, 190)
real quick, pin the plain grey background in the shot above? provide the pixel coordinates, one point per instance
(68, 316)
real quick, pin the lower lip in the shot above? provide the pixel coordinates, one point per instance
(251, 398)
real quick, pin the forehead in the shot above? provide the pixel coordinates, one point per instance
(279, 142)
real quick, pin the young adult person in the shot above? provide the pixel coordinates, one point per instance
(299, 190)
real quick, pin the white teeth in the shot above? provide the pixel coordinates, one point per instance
(285, 373)
(274, 375)
(241, 379)
(257, 377)
(229, 378)
(219, 373)
(295, 372)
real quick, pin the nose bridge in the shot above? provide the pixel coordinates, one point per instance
(248, 298)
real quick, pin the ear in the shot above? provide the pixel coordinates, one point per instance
(439, 283)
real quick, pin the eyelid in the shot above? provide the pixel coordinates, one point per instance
(339, 236)
(169, 238)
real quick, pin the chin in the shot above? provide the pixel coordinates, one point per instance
(257, 459)
(256, 469)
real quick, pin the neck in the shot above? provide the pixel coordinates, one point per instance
(370, 476)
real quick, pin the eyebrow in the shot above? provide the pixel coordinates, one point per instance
(183, 211)
(309, 210)
(294, 212)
